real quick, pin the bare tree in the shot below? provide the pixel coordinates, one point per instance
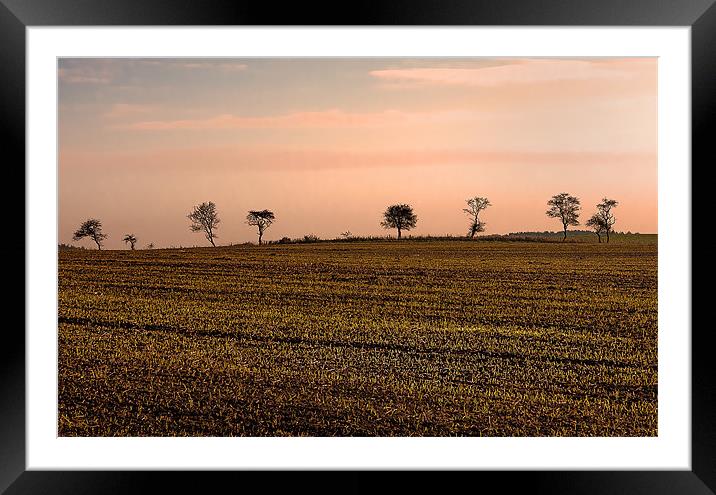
(474, 207)
(400, 216)
(604, 210)
(204, 218)
(597, 225)
(261, 219)
(91, 228)
(150, 245)
(566, 208)
(131, 239)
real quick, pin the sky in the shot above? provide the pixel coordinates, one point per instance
(328, 143)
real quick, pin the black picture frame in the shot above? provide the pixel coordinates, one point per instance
(16, 15)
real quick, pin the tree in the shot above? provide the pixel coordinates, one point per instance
(204, 218)
(150, 245)
(131, 239)
(596, 223)
(261, 219)
(400, 216)
(474, 207)
(91, 228)
(604, 210)
(566, 208)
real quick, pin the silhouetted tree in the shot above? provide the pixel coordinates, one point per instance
(131, 239)
(566, 208)
(150, 245)
(474, 207)
(204, 218)
(400, 216)
(604, 210)
(261, 219)
(596, 223)
(91, 228)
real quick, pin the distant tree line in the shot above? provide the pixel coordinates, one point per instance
(204, 218)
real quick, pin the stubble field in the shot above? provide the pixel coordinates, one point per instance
(437, 338)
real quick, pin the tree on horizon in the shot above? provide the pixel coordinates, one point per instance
(91, 228)
(399, 216)
(597, 225)
(261, 219)
(474, 207)
(204, 218)
(604, 210)
(566, 208)
(130, 239)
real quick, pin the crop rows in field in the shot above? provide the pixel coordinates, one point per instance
(404, 338)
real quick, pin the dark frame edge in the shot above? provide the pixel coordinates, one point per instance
(12, 352)
(551, 482)
(14, 478)
(703, 108)
(385, 13)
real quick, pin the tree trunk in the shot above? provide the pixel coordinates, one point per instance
(607, 237)
(600, 237)
(211, 240)
(260, 236)
(398, 232)
(564, 234)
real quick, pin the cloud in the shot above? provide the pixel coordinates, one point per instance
(85, 74)
(519, 72)
(301, 120)
(122, 110)
(196, 64)
(110, 70)
(263, 158)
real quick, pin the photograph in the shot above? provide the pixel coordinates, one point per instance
(357, 247)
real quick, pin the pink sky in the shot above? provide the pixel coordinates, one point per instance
(327, 144)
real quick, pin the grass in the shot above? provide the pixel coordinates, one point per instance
(434, 338)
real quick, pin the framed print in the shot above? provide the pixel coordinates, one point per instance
(449, 237)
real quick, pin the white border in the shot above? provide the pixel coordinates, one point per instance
(670, 450)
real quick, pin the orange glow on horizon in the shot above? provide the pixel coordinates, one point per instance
(328, 143)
